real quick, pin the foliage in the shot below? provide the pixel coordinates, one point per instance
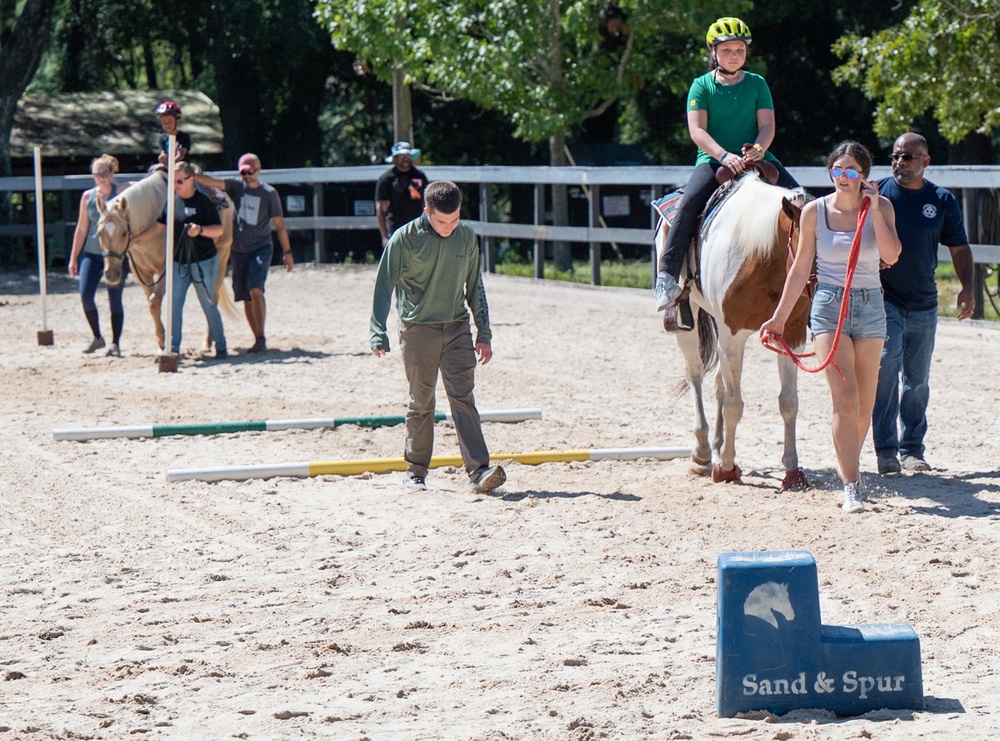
(941, 57)
(542, 64)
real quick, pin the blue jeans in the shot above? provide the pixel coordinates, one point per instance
(202, 274)
(907, 351)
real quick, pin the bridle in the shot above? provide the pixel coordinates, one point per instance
(126, 255)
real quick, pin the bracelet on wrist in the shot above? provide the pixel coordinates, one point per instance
(286, 253)
(759, 148)
(723, 157)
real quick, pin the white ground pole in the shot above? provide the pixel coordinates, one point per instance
(168, 265)
(40, 231)
(304, 469)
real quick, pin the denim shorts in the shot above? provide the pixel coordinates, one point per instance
(250, 270)
(865, 312)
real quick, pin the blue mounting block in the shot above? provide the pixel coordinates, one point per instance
(774, 654)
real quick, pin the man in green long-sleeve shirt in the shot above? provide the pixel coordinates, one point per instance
(433, 265)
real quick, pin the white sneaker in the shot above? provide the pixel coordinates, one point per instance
(412, 482)
(114, 351)
(852, 498)
(666, 292)
(487, 478)
(915, 463)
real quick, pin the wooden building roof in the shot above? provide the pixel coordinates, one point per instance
(80, 126)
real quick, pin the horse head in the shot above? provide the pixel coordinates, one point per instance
(767, 599)
(114, 236)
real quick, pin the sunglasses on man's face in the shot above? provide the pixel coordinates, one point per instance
(905, 156)
(183, 180)
(851, 173)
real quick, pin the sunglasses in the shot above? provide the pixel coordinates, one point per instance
(183, 180)
(248, 173)
(905, 156)
(851, 173)
(102, 174)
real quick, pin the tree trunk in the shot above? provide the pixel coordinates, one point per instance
(562, 255)
(402, 109)
(19, 58)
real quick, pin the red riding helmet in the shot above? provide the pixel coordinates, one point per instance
(168, 108)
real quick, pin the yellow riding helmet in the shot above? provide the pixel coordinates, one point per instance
(728, 29)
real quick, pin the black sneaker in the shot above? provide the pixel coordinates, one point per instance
(487, 478)
(259, 346)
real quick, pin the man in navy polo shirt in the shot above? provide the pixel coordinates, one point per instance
(926, 215)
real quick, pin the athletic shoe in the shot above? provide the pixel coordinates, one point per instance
(852, 498)
(260, 345)
(666, 291)
(487, 478)
(915, 463)
(114, 351)
(95, 344)
(412, 482)
(888, 464)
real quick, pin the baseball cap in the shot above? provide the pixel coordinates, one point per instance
(402, 147)
(248, 163)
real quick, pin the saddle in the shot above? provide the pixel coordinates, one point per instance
(768, 172)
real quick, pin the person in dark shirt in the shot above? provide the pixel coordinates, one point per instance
(399, 192)
(196, 226)
(926, 215)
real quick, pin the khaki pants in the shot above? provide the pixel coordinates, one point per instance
(448, 348)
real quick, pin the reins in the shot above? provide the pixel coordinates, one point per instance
(777, 344)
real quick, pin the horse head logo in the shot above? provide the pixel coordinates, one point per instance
(767, 599)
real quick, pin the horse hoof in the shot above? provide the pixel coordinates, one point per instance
(795, 480)
(719, 476)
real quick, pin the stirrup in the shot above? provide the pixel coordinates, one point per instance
(679, 317)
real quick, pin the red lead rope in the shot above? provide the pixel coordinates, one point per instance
(775, 343)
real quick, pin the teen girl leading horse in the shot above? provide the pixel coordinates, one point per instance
(727, 108)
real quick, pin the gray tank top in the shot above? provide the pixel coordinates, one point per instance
(93, 245)
(833, 249)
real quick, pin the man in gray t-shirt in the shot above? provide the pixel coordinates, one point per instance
(257, 208)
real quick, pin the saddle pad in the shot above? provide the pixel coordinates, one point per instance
(667, 206)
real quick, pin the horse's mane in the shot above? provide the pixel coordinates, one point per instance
(144, 201)
(752, 213)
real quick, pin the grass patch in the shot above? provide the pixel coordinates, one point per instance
(624, 274)
(949, 286)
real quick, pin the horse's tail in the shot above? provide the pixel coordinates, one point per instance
(224, 247)
(708, 348)
(708, 341)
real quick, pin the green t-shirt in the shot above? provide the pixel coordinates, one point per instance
(732, 111)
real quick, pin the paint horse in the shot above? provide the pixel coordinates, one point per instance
(132, 212)
(736, 276)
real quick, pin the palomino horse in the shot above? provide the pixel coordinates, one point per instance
(736, 278)
(132, 212)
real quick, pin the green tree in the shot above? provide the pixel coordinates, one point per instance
(940, 59)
